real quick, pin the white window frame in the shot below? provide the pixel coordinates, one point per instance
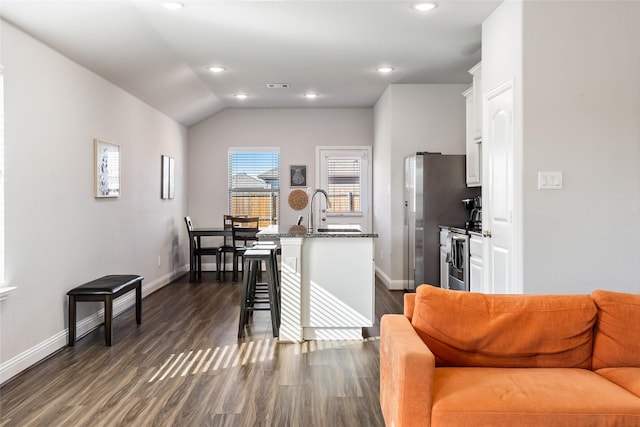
(364, 152)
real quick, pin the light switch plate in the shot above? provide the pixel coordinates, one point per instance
(550, 181)
(291, 262)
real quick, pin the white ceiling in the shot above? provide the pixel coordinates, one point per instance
(330, 47)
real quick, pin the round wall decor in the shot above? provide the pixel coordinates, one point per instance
(298, 199)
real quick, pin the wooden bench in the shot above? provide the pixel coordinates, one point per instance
(104, 289)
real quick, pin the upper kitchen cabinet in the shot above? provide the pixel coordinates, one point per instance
(473, 98)
(476, 72)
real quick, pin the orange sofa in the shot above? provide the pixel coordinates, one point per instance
(468, 359)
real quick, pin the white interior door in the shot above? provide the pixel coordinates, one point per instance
(498, 192)
(345, 173)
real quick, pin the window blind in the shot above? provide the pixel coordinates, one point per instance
(254, 183)
(344, 184)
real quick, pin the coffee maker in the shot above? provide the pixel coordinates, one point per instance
(474, 207)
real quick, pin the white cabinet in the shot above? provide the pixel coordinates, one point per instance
(476, 72)
(473, 99)
(445, 248)
(472, 146)
(475, 264)
(444, 268)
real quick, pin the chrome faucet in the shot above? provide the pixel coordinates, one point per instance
(326, 196)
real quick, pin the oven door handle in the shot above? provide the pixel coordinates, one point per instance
(453, 258)
(457, 251)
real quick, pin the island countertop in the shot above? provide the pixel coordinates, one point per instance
(280, 231)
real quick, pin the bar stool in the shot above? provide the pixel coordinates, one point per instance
(260, 295)
(270, 244)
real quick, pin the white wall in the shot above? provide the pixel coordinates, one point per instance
(295, 131)
(575, 67)
(57, 234)
(502, 47)
(582, 117)
(382, 186)
(409, 118)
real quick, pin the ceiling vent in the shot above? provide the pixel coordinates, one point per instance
(278, 85)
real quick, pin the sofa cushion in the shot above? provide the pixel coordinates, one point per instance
(472, 329)
(529, 397)
(628, 378)
(616, 341)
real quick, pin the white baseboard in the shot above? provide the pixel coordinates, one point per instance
(35, 354)
(211, 266)
(392, 285)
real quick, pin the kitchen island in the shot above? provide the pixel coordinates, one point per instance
(326, 282)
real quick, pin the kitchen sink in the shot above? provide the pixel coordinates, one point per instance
(339, 230)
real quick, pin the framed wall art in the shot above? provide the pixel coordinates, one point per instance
(298, 175)
(107, 168)
(168, 181)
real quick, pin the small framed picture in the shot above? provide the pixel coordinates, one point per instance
(298, 174)
(107, 168)
(168, 179)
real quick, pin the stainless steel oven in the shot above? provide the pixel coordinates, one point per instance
(459, 261)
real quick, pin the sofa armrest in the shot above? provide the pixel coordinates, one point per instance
(407, 368)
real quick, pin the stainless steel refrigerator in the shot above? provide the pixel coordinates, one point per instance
(434, 187)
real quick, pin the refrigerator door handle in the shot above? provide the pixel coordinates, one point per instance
(406, 212)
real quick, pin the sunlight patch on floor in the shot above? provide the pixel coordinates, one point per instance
(248, 352)
(188, 363)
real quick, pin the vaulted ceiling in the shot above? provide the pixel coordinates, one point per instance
(331, 48)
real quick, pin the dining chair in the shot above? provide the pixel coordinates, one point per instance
(198, 252)
(227, 246)
(244, 232)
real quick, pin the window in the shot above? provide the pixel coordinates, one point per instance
(254, 183)
(345, 173)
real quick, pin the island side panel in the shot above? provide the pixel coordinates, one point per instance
(290, 290)
(338, 287)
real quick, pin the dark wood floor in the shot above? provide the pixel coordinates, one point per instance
(184, 366)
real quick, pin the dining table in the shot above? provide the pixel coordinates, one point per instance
(195, 234)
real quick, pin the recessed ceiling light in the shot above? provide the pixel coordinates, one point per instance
(241, 95)
(215, 69)
(384, 69)
(172, 5)
(311, 95)
(424, 6)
